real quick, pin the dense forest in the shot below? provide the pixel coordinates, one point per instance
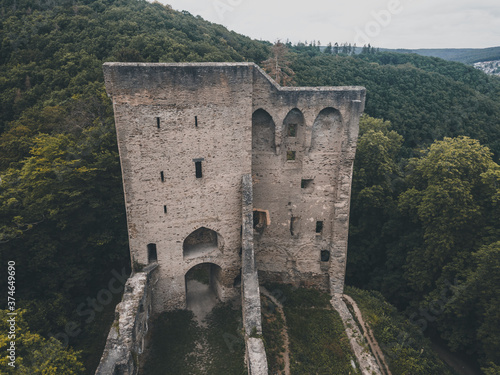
(425, 210)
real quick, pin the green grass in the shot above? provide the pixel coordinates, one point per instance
(226, 344)
(272, 326)
(174, 337)
(318, 342)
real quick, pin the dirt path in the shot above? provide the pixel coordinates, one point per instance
(200, 300)
(284, 333)
(368, 334)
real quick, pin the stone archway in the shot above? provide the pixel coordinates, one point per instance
(203, 288)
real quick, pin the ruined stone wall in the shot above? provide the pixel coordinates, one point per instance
(126, 339)
(168, 116)
(250, 297)
(307, 197)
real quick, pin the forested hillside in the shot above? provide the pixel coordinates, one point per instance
(424, 214)
(463, 55)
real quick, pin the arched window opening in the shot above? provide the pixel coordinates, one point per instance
(327, 131)
(263, 131)
(202, 241)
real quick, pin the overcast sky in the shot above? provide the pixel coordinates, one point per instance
(383, 23)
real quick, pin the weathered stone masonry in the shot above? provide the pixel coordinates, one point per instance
(222, 121)
(189, 134)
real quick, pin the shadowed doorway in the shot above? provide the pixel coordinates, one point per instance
(202, 289)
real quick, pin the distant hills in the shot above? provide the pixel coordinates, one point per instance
(464, 55)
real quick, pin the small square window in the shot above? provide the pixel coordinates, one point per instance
(290, 155)
(292, 130)
(325, 255)
(306, 183)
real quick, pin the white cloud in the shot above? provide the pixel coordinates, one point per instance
(419, 24)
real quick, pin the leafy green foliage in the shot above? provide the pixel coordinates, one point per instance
(449, 195)
(33, 353)
(470, 320)
(403, 344)
(376, 183)
(437, 237)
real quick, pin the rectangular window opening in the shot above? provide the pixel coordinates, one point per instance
(260, 220)
(196, 121)
(199, 172)
(319, 226)
(290, 155)
(152, 254)
(162, 176)
(306, 183)
(158, 122)
(292, 130)
(165, 209)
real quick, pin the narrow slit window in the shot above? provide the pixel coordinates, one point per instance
(158, 122)
(290, 155)
(196, 121)
(162, 176)
(292, 130)
(165, 209)
(319, 227)
(152, 254)
(198, 170)
(294, 223)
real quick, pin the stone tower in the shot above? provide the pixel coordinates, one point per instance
(187, 133)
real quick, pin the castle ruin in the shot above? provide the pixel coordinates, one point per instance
(191, 134)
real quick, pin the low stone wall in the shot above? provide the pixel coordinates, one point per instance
(125, 342)
(250, 294)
